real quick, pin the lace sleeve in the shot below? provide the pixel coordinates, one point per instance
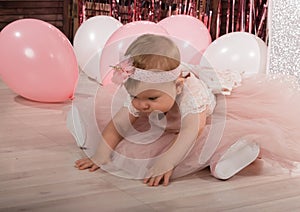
(130, 107)
(196, 97)
(220, 81)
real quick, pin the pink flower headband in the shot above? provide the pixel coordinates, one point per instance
(125, 70)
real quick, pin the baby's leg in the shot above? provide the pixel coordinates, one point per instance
(227, 163)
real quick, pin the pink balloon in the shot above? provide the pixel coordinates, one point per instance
(38, 61)
(119, 41)
(134, 29)
(192, 31)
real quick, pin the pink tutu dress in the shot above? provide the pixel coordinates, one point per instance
(259, 109)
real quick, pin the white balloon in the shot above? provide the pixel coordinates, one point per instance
(264, 55)
(92, 66)
(91, 37)
(239, 51)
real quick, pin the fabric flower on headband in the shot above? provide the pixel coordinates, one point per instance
(125, 70)
(122, 71)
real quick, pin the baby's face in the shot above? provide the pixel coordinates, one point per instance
(149, 97)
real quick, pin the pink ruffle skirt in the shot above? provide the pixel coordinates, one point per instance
(262, 110)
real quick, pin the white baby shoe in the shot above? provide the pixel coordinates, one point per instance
(238, 156)
(76, 126)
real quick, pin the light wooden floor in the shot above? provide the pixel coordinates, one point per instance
(36, 174)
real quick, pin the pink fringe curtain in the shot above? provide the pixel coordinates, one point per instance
(220, 16)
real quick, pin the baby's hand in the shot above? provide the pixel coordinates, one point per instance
(161, 170)
(86, 163)
(155, 180)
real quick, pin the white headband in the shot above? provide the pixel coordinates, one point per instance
(125, 70)
(153, 76)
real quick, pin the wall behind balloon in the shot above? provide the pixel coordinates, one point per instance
(220, 16)
(59, 13)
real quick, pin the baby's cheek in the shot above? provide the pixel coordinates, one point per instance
(133, 102)
(164, 108)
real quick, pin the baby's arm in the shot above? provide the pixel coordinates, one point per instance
(111, 136)
(192, 126)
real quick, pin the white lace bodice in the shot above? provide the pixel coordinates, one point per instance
(196, 97)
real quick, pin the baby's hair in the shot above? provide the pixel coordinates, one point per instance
(153, 52)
